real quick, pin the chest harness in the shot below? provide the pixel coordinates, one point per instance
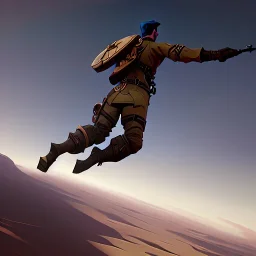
(148, 73)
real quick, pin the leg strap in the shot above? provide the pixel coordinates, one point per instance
(108, 117)
(80, 128)
(102, 112)
(135, 118)
(74, 138)
(79, 141)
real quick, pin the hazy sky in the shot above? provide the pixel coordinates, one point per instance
(199, 149)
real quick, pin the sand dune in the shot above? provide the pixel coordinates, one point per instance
(42, 216)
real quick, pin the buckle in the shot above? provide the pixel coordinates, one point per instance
(117, 88)
(153, 90)
(124, 80)
(122, 86)
(136, 81)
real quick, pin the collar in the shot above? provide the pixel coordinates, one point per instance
(148, 39)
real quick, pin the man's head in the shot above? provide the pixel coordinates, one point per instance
(149, 29)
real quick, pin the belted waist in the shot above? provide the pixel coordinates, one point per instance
(136, 82)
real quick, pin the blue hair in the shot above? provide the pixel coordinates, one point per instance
(148, 27)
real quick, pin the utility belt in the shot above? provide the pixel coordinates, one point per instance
(137, 82)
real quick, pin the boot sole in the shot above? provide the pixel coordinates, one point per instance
(80, 165)
(42, 165)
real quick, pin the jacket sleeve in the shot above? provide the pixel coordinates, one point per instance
(178, 52)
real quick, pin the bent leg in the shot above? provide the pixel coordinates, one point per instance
(83, 137)
(134, 122)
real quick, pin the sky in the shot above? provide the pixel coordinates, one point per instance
(199, 151)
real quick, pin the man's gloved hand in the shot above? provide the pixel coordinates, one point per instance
(227, 53)
(223, 54)
(220, 55)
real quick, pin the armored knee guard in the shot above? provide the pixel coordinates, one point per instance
(101, 132)
(135, 139)
(118, 149)
(80, 141)
(134, 127)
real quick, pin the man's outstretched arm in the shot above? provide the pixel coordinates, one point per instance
(181, 53)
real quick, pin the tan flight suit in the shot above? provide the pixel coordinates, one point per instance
(130, 99)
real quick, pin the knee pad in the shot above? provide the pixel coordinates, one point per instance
(79, 141)
(121, 147)
(135, 138)
(92, 134)
(101, 131)
(127, 120)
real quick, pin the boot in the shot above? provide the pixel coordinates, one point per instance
(75, 144)
(116, 151)
(96, 157)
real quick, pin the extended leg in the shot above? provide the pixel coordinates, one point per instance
(133, 120)
(76, 143)
(85, 136)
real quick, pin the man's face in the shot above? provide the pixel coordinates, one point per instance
(155, 34)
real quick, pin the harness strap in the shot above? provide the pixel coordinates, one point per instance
(145, 68)
(108, 117)
(136, 118)
(138, 83)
